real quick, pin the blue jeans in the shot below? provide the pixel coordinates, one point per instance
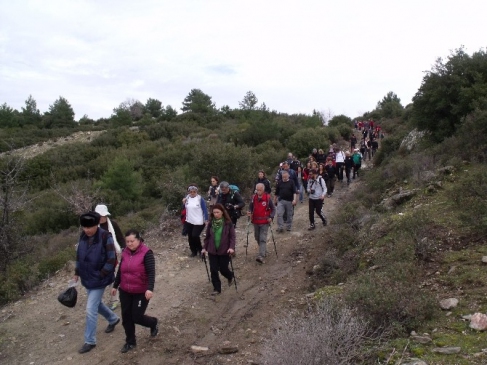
(95, 306)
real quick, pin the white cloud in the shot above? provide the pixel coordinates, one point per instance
(295, 56)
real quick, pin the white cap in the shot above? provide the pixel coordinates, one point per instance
(102, 210)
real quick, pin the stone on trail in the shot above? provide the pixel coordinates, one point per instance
(448, 303)
(447, 350)
(478, 322)
(195, 348)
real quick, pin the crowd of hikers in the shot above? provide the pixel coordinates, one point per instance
(213, 215)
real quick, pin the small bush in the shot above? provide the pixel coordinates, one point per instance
(52, 264)
(329, 334)
(391, 296)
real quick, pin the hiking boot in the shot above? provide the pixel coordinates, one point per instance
(311, 227)
(127, 347)
(215, 292)
(87, 347)
(260, 260)
(155, 330)
(111, 327)
(289, 229)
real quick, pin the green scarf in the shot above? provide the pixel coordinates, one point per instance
(217, 227)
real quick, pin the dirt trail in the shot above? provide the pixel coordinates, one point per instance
(39, 330)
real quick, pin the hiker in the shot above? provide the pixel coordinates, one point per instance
(353, 142)
(317, 193)
(96, 260)
(348, 166)
(219, 242)
(339, 163)
(135, 283)
(330, 171)
(261, 212)
(285, 198)
(375, 146)
(292, 175)
(262, 179)
(111, 226)
(357, 162)
(196, 217)
(300, 174)
(232, 201)
(213, 191)
(295, 164)
(321, 156)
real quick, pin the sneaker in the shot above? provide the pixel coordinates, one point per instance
(329, 195)
(325, 222)
(215, 292)
(193, 254)
(111, 327)
(259, 259)
(230, 281)
(155, 330)
(87, 347)
(289, 229)
(311, 227)
(126, 348)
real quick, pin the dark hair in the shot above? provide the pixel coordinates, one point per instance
(219, 206)
(135, 233)
(262, 172)
(216, 178)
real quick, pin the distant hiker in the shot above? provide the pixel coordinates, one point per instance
(339, 163)
(295, 164)
(348, 165)
(357, 162)
(285, 198)
(261, 212)
(96, 260)
(375, 146)
(314, 153)
(321, 156)
(305, 177)
(317, 193)
(196, 217)
(262, 179)
(330, 172)
(353, 142)
(300, 179)
(213, 191)
(135, 283)
(219, 242)
(368, 149)
(232, 201)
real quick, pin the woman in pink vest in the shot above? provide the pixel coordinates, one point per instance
(135, 283)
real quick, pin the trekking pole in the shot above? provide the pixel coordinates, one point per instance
(203, 257)
(273, 240)
(247, 245)
(233, 273)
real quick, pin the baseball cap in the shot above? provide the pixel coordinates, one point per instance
(102, 210)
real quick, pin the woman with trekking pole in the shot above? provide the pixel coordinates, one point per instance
(219, 243)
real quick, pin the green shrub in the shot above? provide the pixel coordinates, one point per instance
(55, 261)
(391, 295)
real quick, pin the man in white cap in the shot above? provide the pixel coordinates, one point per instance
(111, 226)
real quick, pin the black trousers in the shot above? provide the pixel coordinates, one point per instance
(339, 169)
(219, 263)
(316, 205)
(194, 240)
(133, 312)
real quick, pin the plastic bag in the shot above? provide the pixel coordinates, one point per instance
(69, 296)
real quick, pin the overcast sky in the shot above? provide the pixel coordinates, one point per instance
(335, 56)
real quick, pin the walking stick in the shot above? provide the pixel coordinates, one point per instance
(247, 245)
(273, 240)
(233, 273)
(203, 257)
